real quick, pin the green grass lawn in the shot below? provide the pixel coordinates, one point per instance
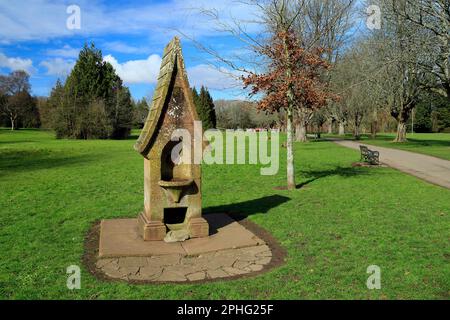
(433, 144)
(342, 220)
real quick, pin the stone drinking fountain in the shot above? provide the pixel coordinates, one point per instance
(170, 241)
(172, 192)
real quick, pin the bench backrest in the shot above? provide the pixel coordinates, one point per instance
(364, 149)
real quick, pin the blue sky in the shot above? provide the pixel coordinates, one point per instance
(131, 34)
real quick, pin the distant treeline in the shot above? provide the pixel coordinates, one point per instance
(91, 103)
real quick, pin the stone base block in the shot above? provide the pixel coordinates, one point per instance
(150, 230)
(198, 228)
(123, 238)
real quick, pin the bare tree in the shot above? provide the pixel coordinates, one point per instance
(433, 17)
(324, 24)
(16, 100)
(282, 55)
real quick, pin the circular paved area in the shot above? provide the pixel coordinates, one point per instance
(182, 268)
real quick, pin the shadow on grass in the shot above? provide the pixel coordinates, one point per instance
(16, 141)
(132, 137)
(241, 210)
(345, 172)
(410, 141)
(24, 161)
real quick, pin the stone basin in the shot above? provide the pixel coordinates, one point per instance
(175, 187)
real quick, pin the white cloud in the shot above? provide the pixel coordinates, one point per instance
(16, 63)
(46, 19)
(137, 71)
(65, 52)
(146, 71)
(213, 78)
(58, 67)
(118, 46)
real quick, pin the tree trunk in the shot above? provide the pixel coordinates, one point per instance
(290, 151)
(330, 127)
(300, 131)
(341, 129)
(373, 133)
(356, 133)
(374, 125)
(401, 131)
(12, 124)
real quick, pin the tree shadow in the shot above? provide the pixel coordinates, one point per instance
(345, 172)
(427, 143)
(411, 141)
(241, 210)
(16, 141)
(12, 161)
(132, 137)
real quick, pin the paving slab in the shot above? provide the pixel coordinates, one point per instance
(120, 238)
(231, 250)
(230, 235)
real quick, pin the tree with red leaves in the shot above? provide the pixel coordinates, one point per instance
(292, 83)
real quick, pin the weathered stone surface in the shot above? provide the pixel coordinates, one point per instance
(149, 272)
(130, 271)
(230, 234)
(234, 271)
(113, 271)
(177, 267)
(172, 192)
(263, 260)
(176, 236)
(164, 260)
(221, 261)
(241, 264)
(196, 276)
(171, 275)
(103, 262)
(255, 267)
(132, 262)
(139, 260)
(257, 249)
(265, 254)
(218, 273)
(120, 238)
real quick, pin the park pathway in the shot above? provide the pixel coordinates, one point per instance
(428, 168)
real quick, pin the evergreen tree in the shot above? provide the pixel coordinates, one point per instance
(196, 99)
(49, 109)
(93, 90)
(121, 113)
(211, 110)
(140, 112)
(205, 109)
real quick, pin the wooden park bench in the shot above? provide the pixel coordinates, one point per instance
(370, 156)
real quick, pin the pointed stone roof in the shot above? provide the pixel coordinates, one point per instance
(172, 62)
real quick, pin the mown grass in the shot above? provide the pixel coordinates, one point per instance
(433, 144)
(339, 222)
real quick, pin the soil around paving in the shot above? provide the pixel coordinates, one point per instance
(428, 168)
(236, 248)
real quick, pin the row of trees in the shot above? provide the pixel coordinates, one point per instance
(309, 65)
(401, 68)
(92, 103)
(237, 114)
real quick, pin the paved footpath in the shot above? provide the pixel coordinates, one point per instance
(428, 168)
